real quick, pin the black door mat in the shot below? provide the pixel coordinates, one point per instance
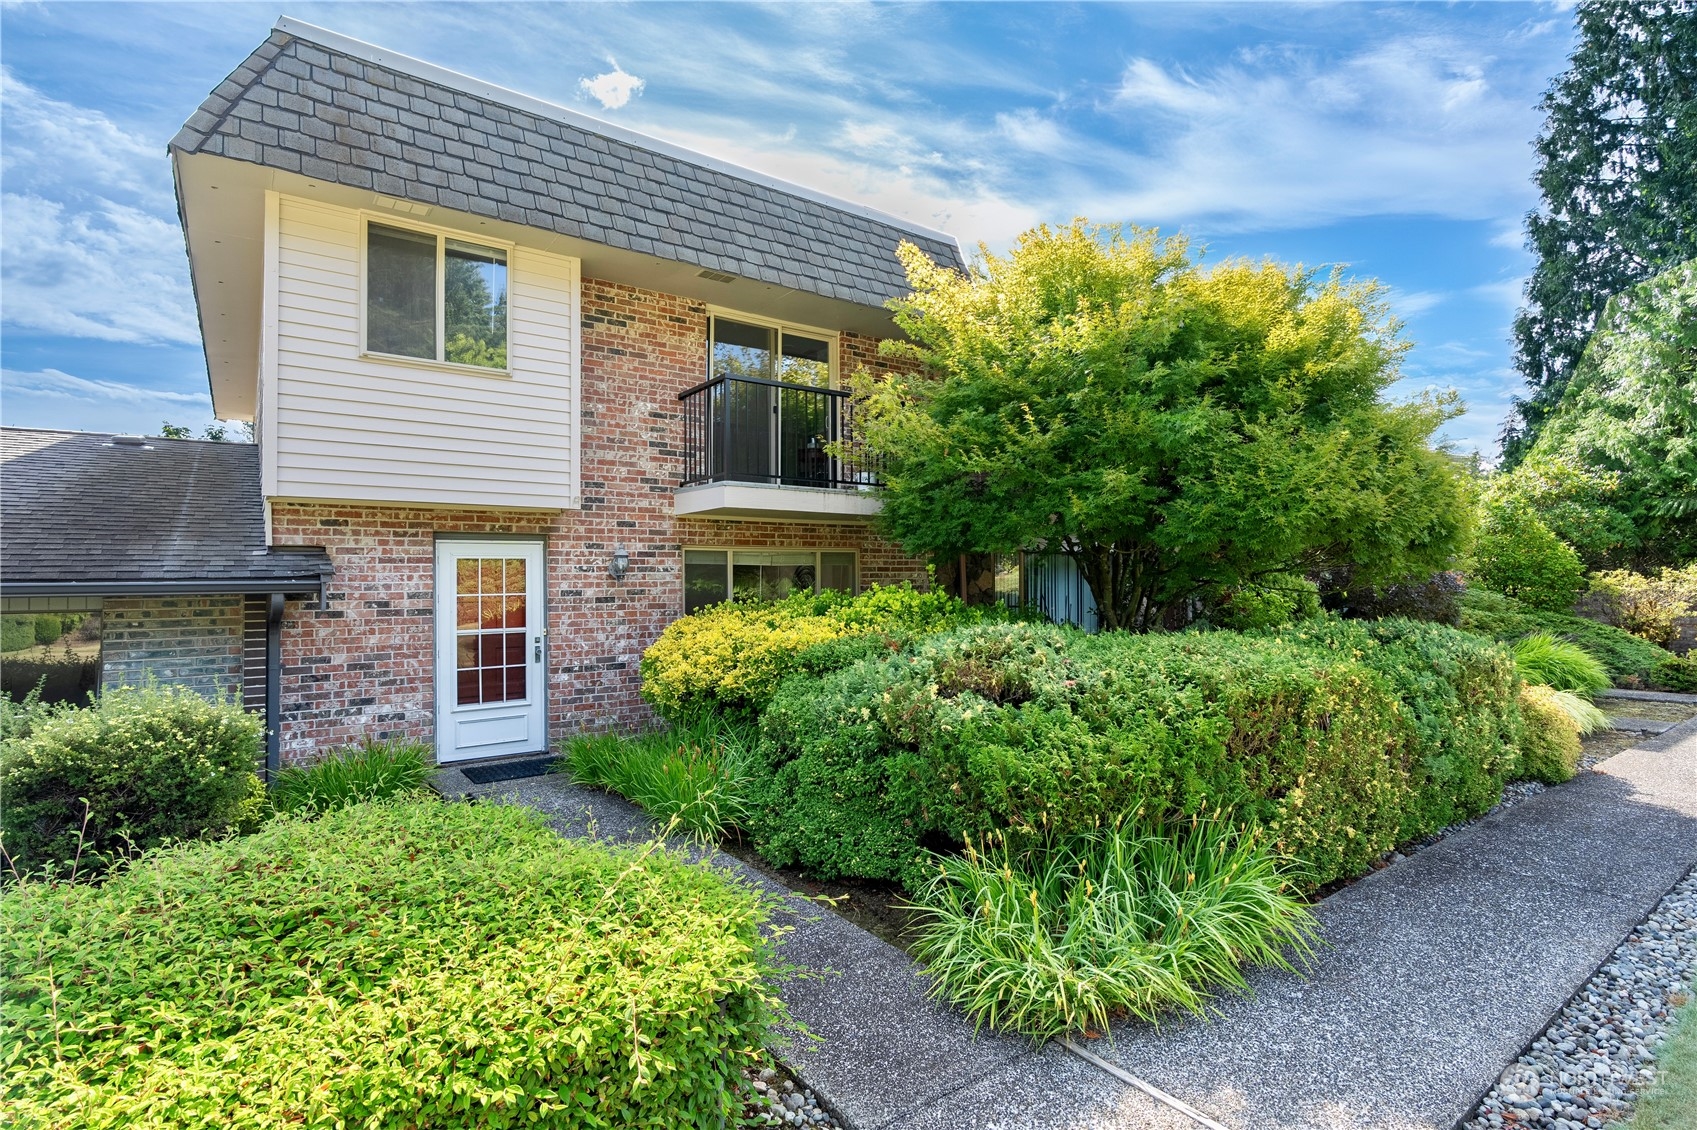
(508, 770)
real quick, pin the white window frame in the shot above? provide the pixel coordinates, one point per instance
(833, 338)
(731, 551)
(442, 234)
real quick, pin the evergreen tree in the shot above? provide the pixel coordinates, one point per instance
(1615, 168)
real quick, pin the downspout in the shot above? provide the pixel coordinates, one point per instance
(274, 687)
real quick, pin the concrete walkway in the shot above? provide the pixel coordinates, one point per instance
(1439, 971)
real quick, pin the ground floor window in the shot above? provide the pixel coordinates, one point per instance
(52, 646)
(712, 576)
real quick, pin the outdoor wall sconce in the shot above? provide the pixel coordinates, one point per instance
(621, 562)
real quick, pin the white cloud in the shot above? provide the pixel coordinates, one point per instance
(64, 386)
(1412, 126)
(613, 89)
(1414, 303)
(90, 246)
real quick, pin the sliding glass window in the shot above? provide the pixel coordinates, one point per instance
(712, 576)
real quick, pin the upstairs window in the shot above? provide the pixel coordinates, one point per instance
(769, 352)
(435, 298)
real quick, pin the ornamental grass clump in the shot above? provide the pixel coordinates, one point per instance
(694, 772)
(1542, 659)
(371, 770)
(388, 966)
(1055, 935)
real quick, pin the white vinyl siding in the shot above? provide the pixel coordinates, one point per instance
(359, 428)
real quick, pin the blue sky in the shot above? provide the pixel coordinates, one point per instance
(1392, 139)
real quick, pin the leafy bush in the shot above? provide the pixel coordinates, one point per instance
(732, 657)
(405, 963)
(368, 771)
(1624, 655)
(1517, 555)
(1062, 935)
(1434, 599)
(1549, 745)
(1271, 603)
(1457, 699)
(154, 763)
(694, 772)
(1341, 739)
(1648, 607)
(1541, 658)
(16, 632)
(1676, 673)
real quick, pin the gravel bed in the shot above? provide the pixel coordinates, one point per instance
(1600, 1050)
(773, 1098)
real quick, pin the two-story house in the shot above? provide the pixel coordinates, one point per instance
(533, 386)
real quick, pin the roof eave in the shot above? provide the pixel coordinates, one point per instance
(288, 586)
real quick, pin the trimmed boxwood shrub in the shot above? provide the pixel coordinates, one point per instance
(1502, 618)
(153, 763)
(1676, 673)
(731, 658)
(1457, 696)
(396, 964)
(1341, 739)
(1549, 749)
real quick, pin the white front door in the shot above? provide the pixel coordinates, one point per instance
(491, 686)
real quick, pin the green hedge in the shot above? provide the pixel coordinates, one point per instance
(396, 964)
(153, 763)
(17, 632)
(1504, 618)
(1342, 739)
(731, 658)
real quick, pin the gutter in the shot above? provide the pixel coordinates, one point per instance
(291, 586)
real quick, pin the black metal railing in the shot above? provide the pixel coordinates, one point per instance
(750, 430)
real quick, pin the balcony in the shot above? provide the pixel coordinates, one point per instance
(756, 448)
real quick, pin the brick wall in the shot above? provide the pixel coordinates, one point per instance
(194, 641)
(363, 662)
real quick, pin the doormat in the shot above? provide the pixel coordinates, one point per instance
(508, 770)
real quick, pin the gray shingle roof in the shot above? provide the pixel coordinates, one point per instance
(323, 112)
(78, 511)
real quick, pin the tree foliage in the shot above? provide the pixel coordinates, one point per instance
(1630, 417)
(1518, 556)
(1171, 429)
(1620, 203)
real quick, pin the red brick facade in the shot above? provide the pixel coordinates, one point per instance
(362, 663)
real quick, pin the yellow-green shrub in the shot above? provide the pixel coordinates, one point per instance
(1648, 607)
(732, 657)
(153, 763)
(1549, 741)
(391, 965)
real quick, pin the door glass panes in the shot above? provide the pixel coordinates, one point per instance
(474, 294)
(771, 575)
(490, 627)
(805, 361)
(706, 580)
(400, 293)
(836, 571)
(741, 350)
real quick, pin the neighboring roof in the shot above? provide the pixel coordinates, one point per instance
(316, 103)
(80, 513)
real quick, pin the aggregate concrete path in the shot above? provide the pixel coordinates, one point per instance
(1439, 971)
